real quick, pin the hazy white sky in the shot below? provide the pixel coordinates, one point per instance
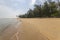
(11, 8)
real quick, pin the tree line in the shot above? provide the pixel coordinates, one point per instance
(50, 9)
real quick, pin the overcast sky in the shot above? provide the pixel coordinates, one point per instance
(11, 8)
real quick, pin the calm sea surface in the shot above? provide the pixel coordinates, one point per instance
(7, 22)
(8, 27)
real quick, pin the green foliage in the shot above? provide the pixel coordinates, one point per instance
(41, 11)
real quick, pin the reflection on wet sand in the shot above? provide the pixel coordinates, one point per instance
(9, 28)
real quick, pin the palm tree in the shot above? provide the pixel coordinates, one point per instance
(58, 3)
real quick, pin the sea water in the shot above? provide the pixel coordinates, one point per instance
(6, 22)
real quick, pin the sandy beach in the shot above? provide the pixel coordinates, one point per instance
(33, 29)
(39, 29)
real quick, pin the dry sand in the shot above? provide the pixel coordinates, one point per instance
(39, 29)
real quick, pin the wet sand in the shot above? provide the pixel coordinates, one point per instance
(34, 29)
(39, 29)
(8, 28)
